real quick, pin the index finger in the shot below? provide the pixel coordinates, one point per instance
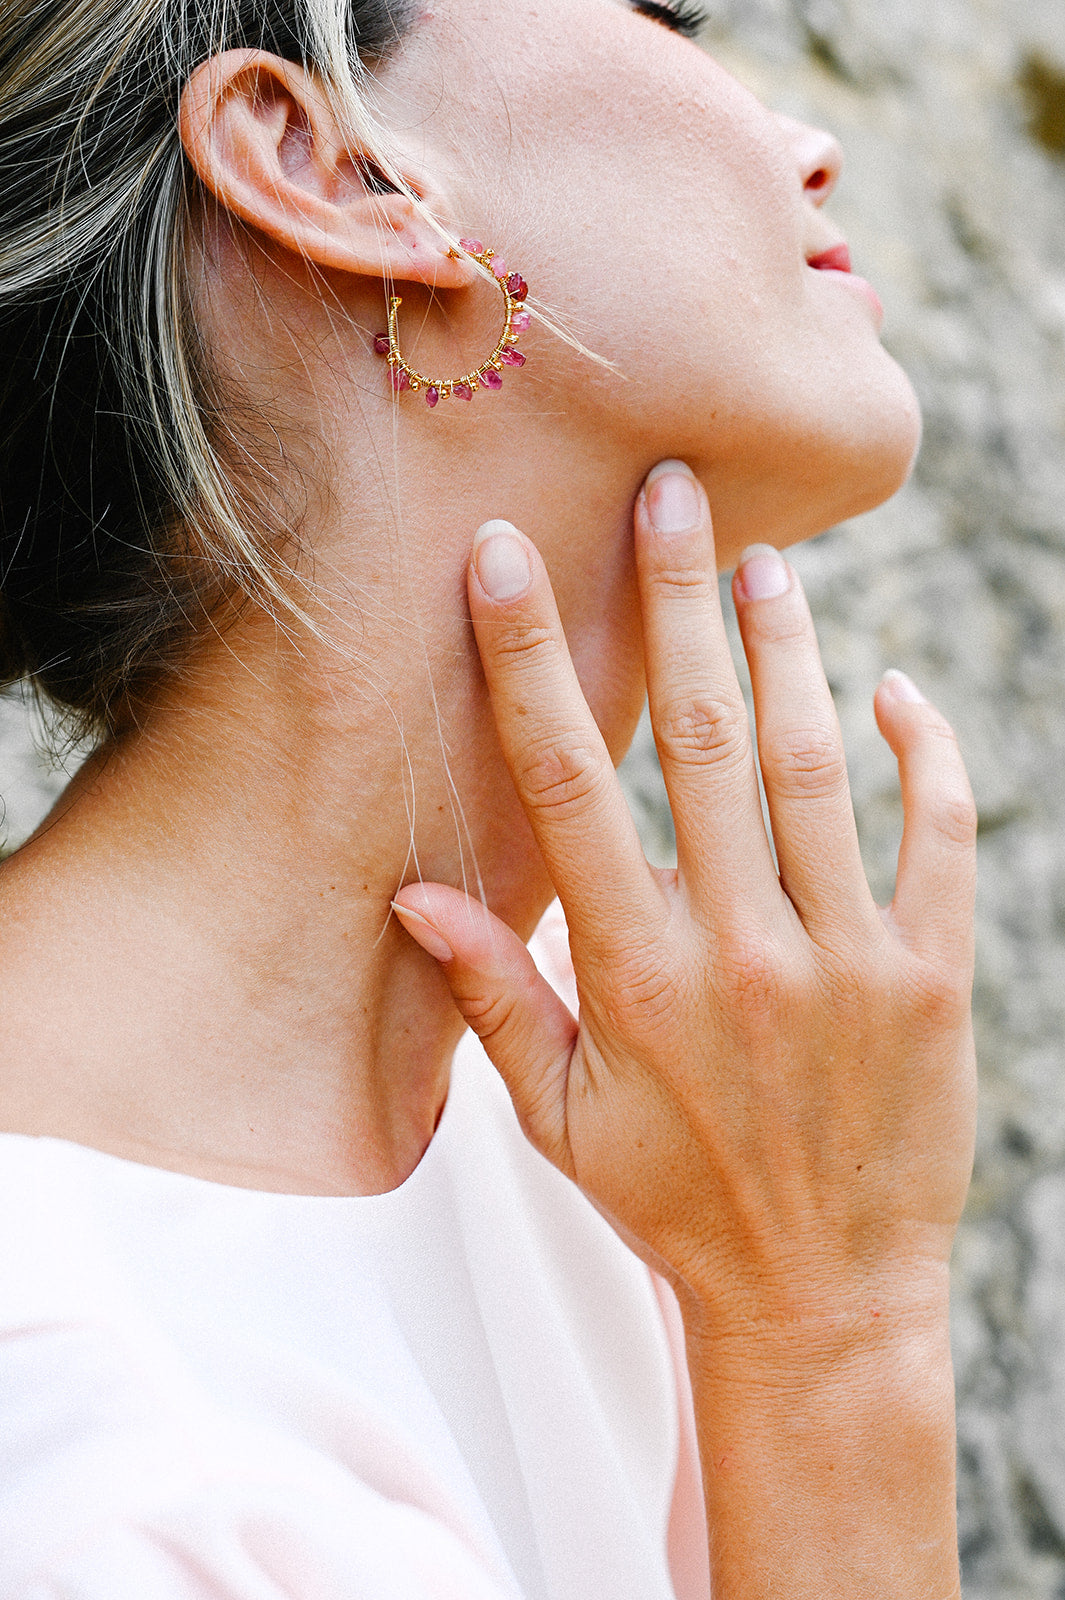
(556, 755)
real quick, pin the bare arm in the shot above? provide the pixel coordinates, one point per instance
(769, 1089)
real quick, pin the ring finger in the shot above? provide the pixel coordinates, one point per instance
(800, 748)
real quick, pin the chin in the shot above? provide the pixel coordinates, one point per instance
(834, 473)
(883, 463)
(874, 471)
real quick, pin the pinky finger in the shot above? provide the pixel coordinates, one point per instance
(936, 884)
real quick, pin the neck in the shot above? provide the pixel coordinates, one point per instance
(225, 991)
(234, 998)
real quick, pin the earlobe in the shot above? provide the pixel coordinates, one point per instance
(265, 141)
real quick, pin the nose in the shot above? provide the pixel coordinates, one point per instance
(818, 157)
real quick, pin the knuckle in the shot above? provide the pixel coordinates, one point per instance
(936, 726)
(752, 974)
(645, 989)
(782, 623)
(941, 994)
(703, 732)
(522, 643)
(561, 780)
(806, 763)
(955, 820)
(484, 1013)
(687, 582)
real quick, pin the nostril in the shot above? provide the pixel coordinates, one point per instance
(818, 181)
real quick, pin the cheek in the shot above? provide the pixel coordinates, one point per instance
(629, 169)
(668, 245)
(667, 230)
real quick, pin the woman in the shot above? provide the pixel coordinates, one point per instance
(291, 1308)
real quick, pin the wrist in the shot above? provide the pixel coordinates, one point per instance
(831, 1387)
(805, 1329)
(828, 1451)
(850, 1387)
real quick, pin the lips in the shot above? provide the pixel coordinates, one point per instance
(838, 259)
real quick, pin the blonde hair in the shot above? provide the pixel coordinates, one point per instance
(128, 504)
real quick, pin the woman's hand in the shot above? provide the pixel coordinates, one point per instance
(769, 1089)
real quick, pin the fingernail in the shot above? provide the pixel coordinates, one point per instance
(502, 561)
(424, 933)
(763, 573)
(672, 497)
(900, 687)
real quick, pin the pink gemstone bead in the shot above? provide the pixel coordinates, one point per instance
(513, 358)
(432, 396)
(472, 247)
(517, 288)
(462, 391)
(499, 267)
(520, 321)
(492, 379)
(400, 381)
(381, 344)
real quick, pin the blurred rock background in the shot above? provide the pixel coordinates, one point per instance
(952, 114)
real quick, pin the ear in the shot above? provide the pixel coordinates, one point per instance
(264, 139)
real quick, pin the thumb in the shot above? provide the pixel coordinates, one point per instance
(526, 1030)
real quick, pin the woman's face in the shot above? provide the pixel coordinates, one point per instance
(670, 222)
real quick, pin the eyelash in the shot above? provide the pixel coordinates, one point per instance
(680, 15)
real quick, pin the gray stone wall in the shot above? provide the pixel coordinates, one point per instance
(952, 114)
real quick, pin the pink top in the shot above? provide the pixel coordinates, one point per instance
(466, 1389)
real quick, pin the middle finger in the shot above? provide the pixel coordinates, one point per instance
(697, 710)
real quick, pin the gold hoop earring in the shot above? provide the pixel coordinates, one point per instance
(489, 375)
